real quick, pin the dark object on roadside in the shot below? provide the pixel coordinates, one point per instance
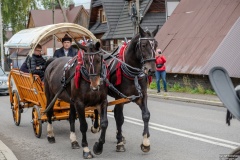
(226, 92)
(229, 117)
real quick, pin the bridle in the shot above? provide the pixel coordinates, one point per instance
(152, 43)
(91, 57)
(91, 71)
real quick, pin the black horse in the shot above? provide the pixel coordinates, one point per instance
(139, 63)
(85, 89)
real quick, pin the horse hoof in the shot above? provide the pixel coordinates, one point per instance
(120, 148)
(145, 148)
(95, 130)
(51, 139)
(87, 155)
(75, 145)
(97, 148)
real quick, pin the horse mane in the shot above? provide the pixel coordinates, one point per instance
(132, 44)
(134, 40)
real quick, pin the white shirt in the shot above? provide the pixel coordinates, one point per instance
(65, 52)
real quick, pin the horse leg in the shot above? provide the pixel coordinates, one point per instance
(83, 128)
(145, 146)
(95, 128)
(50, 134)
(49, 97)
(72, 118)
(98, 147)
(119, 118)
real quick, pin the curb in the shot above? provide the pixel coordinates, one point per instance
(190, 100)
(6, 153)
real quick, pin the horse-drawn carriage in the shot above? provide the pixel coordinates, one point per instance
(28, 89)
(87, 81)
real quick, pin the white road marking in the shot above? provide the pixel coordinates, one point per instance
(6, 153)
(183, 133)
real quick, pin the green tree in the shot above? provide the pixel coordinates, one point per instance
(15, 13)
(47, 4)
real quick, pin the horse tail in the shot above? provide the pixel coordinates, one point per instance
(49, 61)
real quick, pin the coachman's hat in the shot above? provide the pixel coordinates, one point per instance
(66, 38)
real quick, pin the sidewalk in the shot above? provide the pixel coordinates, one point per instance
(187, 97)
(7, 154)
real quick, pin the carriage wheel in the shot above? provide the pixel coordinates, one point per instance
(36, 121)
(16, 110)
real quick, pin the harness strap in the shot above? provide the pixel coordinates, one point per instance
(58, 93)
(138, 87)
(67, 66)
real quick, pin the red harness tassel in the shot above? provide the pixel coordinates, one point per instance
(78, 69)
(119, 71)
(149, 80)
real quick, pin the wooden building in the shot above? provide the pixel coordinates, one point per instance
(110, 20)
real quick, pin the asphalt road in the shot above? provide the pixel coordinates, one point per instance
(179, 131)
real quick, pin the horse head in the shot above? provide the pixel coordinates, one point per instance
(145, 46)
(92, 63)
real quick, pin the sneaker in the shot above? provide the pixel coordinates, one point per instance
(165, 90)
(158, 91)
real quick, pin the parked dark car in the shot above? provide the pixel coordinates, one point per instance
(3, 82)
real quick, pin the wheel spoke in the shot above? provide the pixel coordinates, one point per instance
(37, 125)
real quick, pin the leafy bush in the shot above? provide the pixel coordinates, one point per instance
(200, 89)
(187, 88)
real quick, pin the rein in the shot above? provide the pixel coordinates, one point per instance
(136, 69)
(131, 74)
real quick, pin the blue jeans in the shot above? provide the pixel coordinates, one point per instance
(161, 74)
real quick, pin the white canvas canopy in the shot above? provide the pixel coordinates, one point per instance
(29, 38)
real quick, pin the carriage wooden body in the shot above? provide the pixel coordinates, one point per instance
(29, 93)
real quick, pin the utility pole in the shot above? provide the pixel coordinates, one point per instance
(1, 28)
(135, 16)
(138, 16)
(53, 10)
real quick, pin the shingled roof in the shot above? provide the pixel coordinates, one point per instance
(191, 36)
(38, 20)
(227, 54)
(112, 9)
(119, 21)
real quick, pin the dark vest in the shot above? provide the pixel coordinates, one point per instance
(60, 52)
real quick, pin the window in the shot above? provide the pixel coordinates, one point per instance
(102, 15)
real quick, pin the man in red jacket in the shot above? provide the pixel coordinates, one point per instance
(160, 70)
